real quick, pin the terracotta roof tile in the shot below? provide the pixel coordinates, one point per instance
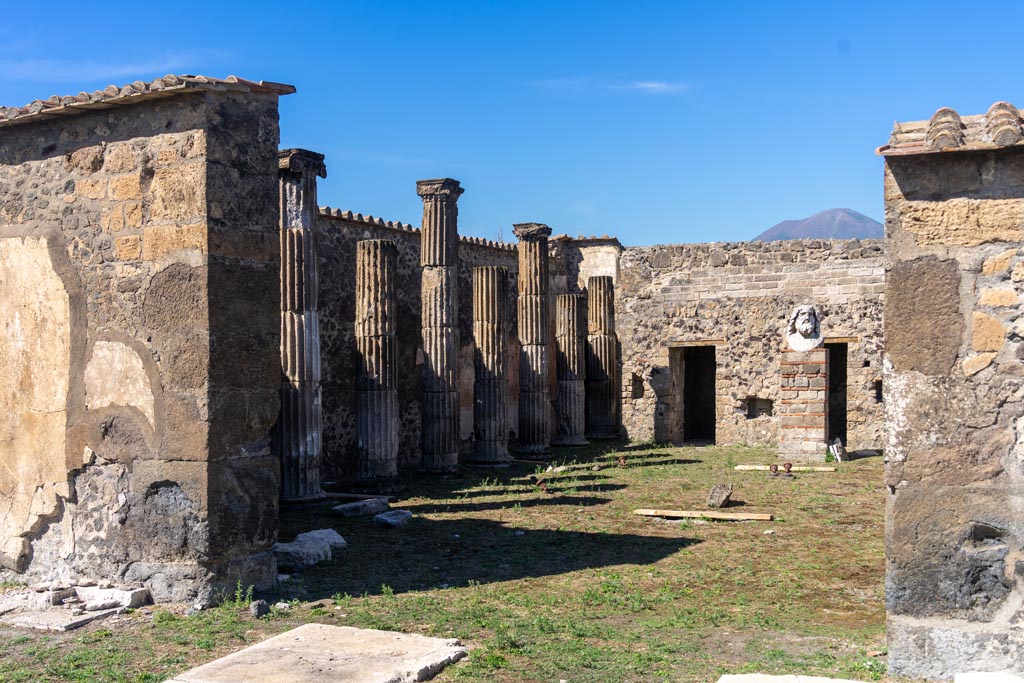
(947, 131)
(136, 91)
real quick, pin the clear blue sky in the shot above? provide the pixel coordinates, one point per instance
(658, 122)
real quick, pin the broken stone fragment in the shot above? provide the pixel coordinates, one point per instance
(259, 608)
(393, 519)
(372, 506)
(307, 549)
(719, 495)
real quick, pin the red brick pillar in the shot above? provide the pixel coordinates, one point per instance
(803, 413)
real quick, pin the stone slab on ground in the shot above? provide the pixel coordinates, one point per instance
(57, 619)
(318, 653)
(393, 519)
(764, 678)
(372, 506)
(308, 549)
(987, 677)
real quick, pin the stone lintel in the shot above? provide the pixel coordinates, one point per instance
(531, 231)
(439, 186)
(301, 162)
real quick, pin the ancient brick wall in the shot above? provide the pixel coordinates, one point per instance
(338, 234)
(737, 297)
(138, 298)
(954, 405)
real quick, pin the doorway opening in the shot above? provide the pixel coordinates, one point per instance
(837, 384)
(695, 367)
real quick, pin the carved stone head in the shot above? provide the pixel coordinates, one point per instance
(804, 330)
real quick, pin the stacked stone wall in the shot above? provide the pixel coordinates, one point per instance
(955, 412)
(138, 284)
(737, 297)
(338, 233)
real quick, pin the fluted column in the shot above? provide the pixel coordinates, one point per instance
(490, 386)
(602, 354)
(439, 241)
(376, 384)
(297, 434)
(534, 331)
(570, 340)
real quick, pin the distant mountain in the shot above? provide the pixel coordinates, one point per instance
(835, 224)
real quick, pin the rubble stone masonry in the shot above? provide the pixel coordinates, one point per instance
(737, 297)
(140, 338)
(954, 396)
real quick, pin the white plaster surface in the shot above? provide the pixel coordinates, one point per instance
(35, 358)
(116, 376)
(317, 653)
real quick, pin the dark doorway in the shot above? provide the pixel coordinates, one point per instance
(837, 354)
(699, 393)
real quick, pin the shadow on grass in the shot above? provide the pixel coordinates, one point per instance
(431, 554)
(575, 501)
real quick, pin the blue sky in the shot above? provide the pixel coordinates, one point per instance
(659, 122)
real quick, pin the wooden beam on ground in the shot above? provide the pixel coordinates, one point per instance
(794, 468)
(701, 514)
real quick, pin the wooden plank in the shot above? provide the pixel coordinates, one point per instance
(700, 514)
(794, 468)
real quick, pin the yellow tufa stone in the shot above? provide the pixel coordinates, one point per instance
(999, 263)
(1018, 273)
(91, 188)
(121, 158)
(177, 193)
(988, 332)
(126, 187)
(128, 248)
(159, 241)
(964, 221)
(998, 298)
(133, 215)
(976, 364)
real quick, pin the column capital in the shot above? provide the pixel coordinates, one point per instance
(301, 162)
(439, 186)
(530, 231)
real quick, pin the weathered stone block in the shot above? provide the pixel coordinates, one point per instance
(964, 221)
(999, 298)
(177, 194)
(987, 332)
(1000, 263)
(174, 241)
(913, 317)
(124, 187)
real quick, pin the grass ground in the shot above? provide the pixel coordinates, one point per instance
(563, 583)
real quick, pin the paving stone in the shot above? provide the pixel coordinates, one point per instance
(114, 597)
(317, 653)
(373, 506)
(393, 519)
(57, 619)
(987, 677)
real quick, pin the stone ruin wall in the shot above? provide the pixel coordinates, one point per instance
(738, 297)
(138, 253)
(338, 233)
(955, 410)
